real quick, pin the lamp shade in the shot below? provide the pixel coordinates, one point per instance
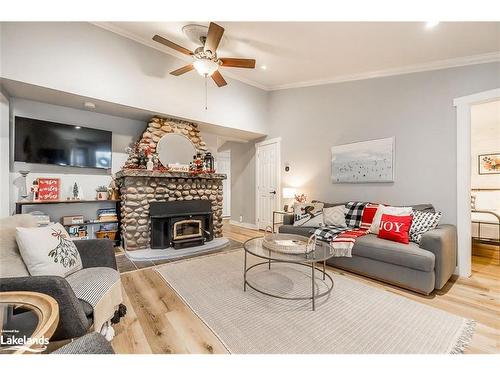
(289, 192)
(205, 67)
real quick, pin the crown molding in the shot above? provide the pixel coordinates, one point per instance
(109, 26)
(434, 65)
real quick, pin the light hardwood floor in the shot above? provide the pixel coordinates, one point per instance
(159, 322)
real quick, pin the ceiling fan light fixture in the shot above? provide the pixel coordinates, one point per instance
(205, 67)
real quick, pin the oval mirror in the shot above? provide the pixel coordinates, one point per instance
(175, 149)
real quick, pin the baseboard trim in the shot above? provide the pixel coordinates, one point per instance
(243, 225)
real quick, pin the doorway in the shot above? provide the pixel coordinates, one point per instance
(268, 181)
(464, 236)
(485, 181)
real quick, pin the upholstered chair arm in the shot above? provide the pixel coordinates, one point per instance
(72, 319)
(96, 253)
(442, 241)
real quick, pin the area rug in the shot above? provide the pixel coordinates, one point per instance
(354, 319)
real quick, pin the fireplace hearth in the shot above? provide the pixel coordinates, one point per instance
(180, 224)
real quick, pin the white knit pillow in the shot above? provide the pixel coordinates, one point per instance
(387, 210)
(335, 216)
(48, 251)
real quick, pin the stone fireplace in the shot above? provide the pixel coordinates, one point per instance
(157, 206)
(141, 190)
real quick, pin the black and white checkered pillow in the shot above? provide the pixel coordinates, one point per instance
(423, 222)
(354, 213)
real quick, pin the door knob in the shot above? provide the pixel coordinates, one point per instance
(272, 192)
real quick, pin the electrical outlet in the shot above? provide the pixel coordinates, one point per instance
(241, 219)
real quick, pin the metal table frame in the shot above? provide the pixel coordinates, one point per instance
(487, 240)
(268, 260)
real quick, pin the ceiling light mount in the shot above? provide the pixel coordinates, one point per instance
(89, 105)
(431, 24)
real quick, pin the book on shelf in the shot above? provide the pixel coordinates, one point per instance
(107, 214)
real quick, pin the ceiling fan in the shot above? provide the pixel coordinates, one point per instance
(206, 62)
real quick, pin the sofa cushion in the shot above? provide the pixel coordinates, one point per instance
(388, 210)
(48, 251)
(395, 228)
(406, 255)
(426, 207)
(301, 210)
(87, 308)
(423, 222)
(335, 216)
(92, 284)
(328, 204)
(301, 231)
(11, 262)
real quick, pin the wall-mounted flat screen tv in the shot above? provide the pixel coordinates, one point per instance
(45, 142)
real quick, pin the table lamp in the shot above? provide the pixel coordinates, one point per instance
(288, 193)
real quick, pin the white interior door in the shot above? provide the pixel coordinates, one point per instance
(224, 166)
(268, 181)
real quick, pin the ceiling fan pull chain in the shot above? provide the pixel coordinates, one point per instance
(206, 93)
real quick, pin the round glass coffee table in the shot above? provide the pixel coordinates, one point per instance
(320, 254)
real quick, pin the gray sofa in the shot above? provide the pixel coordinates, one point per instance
(421, 268)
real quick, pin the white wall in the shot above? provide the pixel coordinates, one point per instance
(84, 59)
(125, 131)
(415, 108)
(4, 155)
(485, 139)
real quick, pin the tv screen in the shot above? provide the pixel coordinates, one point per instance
(44, 142)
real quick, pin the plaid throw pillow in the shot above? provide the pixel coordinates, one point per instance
(423, 222)
(354, 213)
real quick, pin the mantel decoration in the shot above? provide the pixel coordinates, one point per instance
(102, 193)
(154, 150)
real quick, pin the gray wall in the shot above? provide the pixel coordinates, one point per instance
(125, 131)
(4, 154)
(242, 180)
(87, 60)
(415, 108)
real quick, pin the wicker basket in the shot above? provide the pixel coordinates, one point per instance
(273, 241)
(111, 234)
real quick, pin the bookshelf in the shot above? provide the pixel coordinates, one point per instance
(90, 224)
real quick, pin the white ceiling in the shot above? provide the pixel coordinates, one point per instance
(309, 53)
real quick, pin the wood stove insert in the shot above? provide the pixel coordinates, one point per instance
(181, 224)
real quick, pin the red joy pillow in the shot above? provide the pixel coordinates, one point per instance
(368, 215)
(395, 228)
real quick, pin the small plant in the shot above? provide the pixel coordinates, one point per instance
(75, 191)
(101, 189)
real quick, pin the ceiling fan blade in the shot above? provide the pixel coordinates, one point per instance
(218, 79)
(238, 63)
(182, 70)
(172, 45)
(213, 37)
